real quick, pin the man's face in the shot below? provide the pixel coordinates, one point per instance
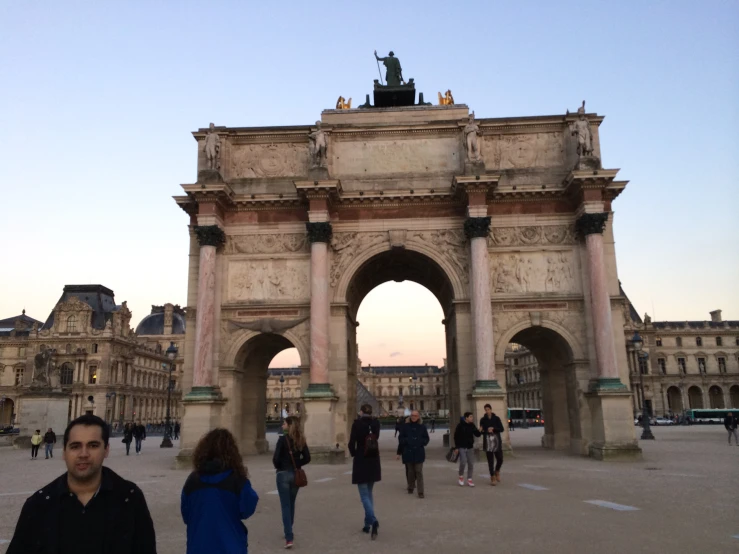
(415, 415)
(469, 418)
(85, 452)
(488, 411)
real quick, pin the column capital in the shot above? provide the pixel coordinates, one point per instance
(475, 227)
(591, 224)
(210, 235)
(319, 231)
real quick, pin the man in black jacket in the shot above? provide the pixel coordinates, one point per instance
(49, 441)
(366, 470)
(730, 423)
(491, 427)
(464, 443)
(89, 509)
(412, 445)
(139, 434)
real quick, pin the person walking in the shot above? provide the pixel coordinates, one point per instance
(491, 427)
(730, 423)
(49, 442)
(398, 424)
(217, 496)
(413, 440)
(36, 440)
(433, 424)
(176, 430)
(128, 437)
(366, 470)
(139, 435)
(291, 454)
(464, 444)
(89, 509)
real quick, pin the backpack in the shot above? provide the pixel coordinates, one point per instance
(371, 447)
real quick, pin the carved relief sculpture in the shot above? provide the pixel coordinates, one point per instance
(346, 246)
(534, 273)
(212, 148)
(266, 244)
(317, 146)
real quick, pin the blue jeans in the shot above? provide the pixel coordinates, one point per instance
(287, 492)
(138, 446)
(50, 450)
(365, 495)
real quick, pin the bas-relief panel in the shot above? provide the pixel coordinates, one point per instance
(532, 235)
(266, 244)
(267, 160)
(268, 280)
(521, 151)
(534, 272)
(396, 156)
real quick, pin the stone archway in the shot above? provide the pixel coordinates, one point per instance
(716, 397)
(7, 409)
(695, 398)
(734, 396)
(246, 387)
(675, 400)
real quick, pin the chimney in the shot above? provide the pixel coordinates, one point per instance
(168, 312)
(716, 316)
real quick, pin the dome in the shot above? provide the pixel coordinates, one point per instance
(153, 324)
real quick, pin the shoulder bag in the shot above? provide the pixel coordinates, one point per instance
(301, 479)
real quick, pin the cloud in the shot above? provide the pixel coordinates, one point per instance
(393, 354)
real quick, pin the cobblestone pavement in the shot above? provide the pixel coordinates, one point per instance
(681, 498)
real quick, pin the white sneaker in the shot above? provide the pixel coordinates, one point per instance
(461, 481)
(470, 483)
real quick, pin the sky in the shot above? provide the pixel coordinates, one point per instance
(99, 101)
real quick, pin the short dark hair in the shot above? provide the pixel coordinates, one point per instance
(487, 406)
(88, 420)
(467, 414)
(366, 409)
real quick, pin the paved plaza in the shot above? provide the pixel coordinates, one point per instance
(681, 498)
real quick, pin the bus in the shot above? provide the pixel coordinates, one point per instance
(707, 416)
(533, 416)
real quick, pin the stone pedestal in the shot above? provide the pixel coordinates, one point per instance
(209, 176)
(202, 413)
(41, 410)
(613, 435)
(318, 173)
(474, 168)
(320, 407)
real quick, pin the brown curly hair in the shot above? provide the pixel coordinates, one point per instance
(219, 445)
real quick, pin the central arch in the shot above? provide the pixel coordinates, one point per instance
(400, 264)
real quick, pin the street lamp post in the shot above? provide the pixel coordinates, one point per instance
(638, 344)
(282, 384)
(172, 355)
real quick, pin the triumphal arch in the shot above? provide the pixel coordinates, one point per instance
(507, 221)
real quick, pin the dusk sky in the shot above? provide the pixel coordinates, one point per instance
(99, 101)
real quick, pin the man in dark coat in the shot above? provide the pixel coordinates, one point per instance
(413, 440)
(730, 423)
(491, 427)
(366, 467)
(89, 509)
(139, 434)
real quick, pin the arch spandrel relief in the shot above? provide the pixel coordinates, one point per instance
(534, 272)
(266, 280)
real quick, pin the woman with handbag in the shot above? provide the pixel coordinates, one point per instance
(291, 454)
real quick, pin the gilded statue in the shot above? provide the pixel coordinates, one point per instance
(343, 105)
(317, 146)
(212, 148)
(446, 99)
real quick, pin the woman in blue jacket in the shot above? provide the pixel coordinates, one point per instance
(216, 497)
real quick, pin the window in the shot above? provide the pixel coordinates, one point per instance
(66, 375)
(422, 405)
(95, 348)
(701, 365)
(400, 391)
(93, 375)
(737, 341)
(662, 365)
(420, 391)
(678, 341)
(68, 349)
(658, 341)
(389, 406)
(19, 375)
(438, 391)
(698, 341)
(71, 324)
(681, 365)
(438, 405)
(722, 365)
(719, 342)
(515, 362)
(21, 351)
(643, 367)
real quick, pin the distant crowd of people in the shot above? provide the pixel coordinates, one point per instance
(90, 509)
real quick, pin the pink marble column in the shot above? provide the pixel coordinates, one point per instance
(477, 230)
(319, 234)
(210, 237)
(592, 226)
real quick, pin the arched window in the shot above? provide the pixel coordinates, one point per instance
(19, 375)
(66, 375)
(71, 324)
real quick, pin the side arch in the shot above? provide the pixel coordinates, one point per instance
(576, 351)
(238, 339)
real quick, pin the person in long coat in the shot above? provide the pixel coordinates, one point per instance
(365, 469)
(413, 440)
